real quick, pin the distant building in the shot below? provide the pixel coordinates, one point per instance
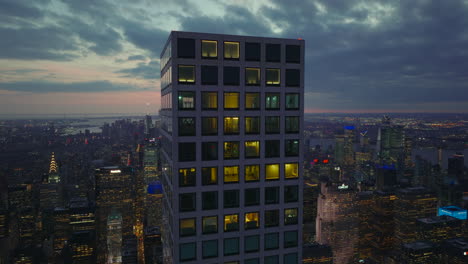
(317, 254)
(421, 252)
(453, 211)
(455, 251)
(438, 228)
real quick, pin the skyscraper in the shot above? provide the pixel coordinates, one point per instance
(231, 124)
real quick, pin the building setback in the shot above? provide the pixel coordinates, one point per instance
(232, 111)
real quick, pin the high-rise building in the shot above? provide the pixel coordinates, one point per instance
(455, 251)
(317, 254)
(383, 225)
(419, 252)
(231, 124)
(438, 228)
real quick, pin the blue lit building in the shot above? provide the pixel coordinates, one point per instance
(453, 211)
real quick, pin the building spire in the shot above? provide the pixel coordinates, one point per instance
(53, 164)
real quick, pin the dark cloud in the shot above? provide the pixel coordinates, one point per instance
(75, 87)
(143, 70)
(136, 57)
(150, 39)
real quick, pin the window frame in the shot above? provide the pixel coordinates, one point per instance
(271, 82)
(180, 94)
(187, 82)
(203, 99)
(238, 101)
(201, 49)
(259, 76)
(224, 50)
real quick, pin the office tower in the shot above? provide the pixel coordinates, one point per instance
(348, 146)
(114, 197)
(311, 193)
(420, 252)
(456, 165)
(338, 220)
(150, 162)
(383, 224)
(54, 176)
(153, 245)
(61, 228)
(339, 149)
(114, 237)
(412, 204)
(317, 254)
(392, 143)
(438, 228)
(386, 177)
(81, 248)
(455, 251)
(232, 120)
(149, 128)
(82, 215)
(365, 201)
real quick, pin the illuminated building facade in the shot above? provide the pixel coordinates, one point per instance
(365, 201)
(382, 223)
(114, 238)
(438, 228)
(420, 252)
(231, 124)
(412, 204)
(453, 211)
(455, 251)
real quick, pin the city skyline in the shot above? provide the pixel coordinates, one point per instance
(63, 57)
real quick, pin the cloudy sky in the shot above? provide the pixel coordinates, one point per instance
(98, 56)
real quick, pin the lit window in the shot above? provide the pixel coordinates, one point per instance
(252, 243)
(231, 174)
(252, 101)
(272, 77)
(186, 126)
(292, 101)
(188, 251)
(271, 218)
(186, 100)
(231, 150)
(186, 74)
(231, 222)
(210, 248)
(272, 124)
(231, 199)
(252, 76)
(292, 147)
(209, 49)
(231, 50)
(291, 170)
(209, 175)
(272, 101)
(252, 220)
(209, 126)
(252, 125)
(187, 177)
(252, 149)
(252, 173)
(272, 171)
(210, 224)
(231, 125)
(231, 101)
(290, 216)
(187, 227)
(209, 100)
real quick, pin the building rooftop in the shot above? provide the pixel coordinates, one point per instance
(438, 219)
(419, 245)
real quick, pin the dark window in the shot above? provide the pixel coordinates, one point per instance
(272, 148)
(209, 49)
(186, 126)
(252, 76)
(209, 126)
(272, 241)
(231, 125)
(252, 196)
(293, 77)
(291, 147)
(231, 246)
(231, 75)
(188, 251)
(291, 193)
(252, 125)
(272, 124)
(209, 150)
(187, 202)
(209, 100)
(231, 199)
(292, 101)
(187, 227)
(252, 261)
(290, 216)
(252, 101)
(210, 248)
(186, 74)
(231, 150)
(209, 200)
(272, 259)
(252, 243)
(293, 54)
(186, 48)
(186, 100)
(187, 151)
(290, 258)
(271, 218)
(271, 195)
(292, 124)
(290, 239)
(209, 75)
(252, 51)
(252, 149)
(231, 50)
(273, 77)
(272, 101)
(187, 177)
(209, 175)
(273, 52)
(210, 224)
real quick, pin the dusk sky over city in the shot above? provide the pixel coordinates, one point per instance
(66, 56)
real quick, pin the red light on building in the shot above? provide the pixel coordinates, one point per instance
(326, 161)
(316, 160)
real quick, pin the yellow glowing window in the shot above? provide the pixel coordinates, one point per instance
(187, 227)
(252, 149)
(272, 171)
(231, 50)
(186, 74)
(231, 174)
(231, 222)
(209, 175)
(290, 216)
(231, 150)
(231, 125)
(252, 220)
(252, 173)
(272, 76)
(209, 48)
(252, 76)
(187, 177)
(252, 100)
(231, 100)
(210, 100)
(291, 170)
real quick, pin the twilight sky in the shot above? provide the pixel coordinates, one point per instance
(98, 56)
